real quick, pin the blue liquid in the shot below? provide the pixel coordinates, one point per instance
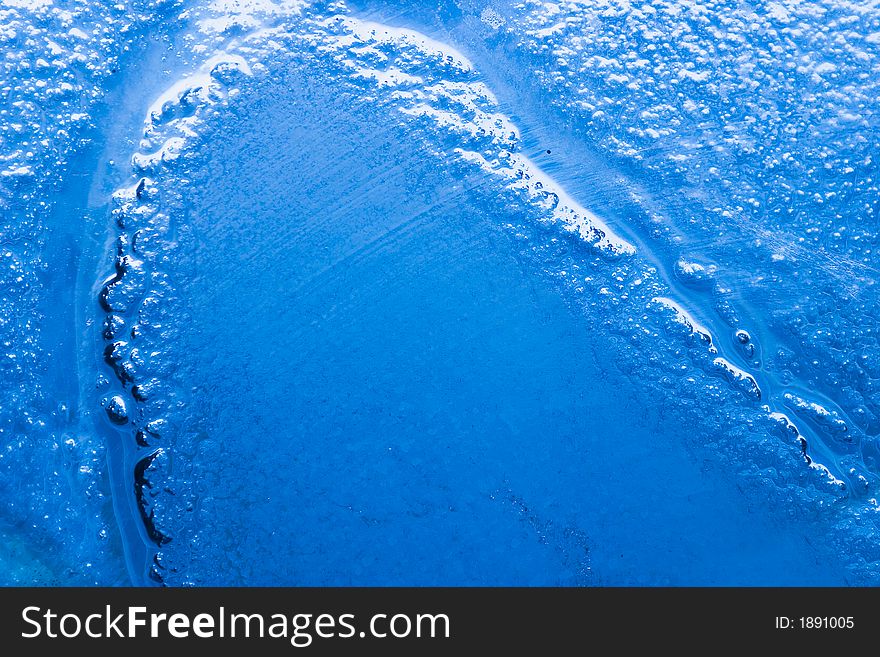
(330, 330)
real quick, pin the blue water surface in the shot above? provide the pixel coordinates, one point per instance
(458, 294)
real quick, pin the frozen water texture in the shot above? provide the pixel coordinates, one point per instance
(573, 293)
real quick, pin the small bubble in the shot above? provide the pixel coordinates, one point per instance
(116, 410)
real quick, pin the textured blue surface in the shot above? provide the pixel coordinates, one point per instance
(455, 293)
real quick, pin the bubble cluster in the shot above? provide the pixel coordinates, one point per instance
(57, 61)
(714, 365)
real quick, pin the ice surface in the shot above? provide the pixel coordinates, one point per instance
(521, 293)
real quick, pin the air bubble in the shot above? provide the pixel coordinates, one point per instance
(113, 324)
(114, 355)
(116, 410)
(695, 275)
